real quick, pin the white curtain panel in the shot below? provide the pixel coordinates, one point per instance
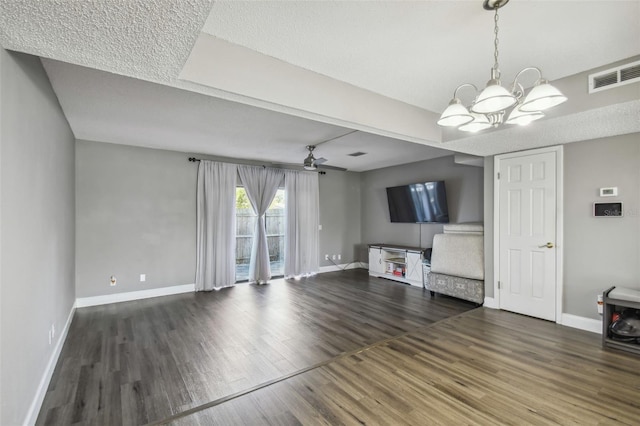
(302, 220)
(216, 225)
(261, 185)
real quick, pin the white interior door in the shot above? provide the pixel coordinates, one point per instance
(527, 200)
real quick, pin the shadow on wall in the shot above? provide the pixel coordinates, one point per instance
(454, 196)
(361, 253)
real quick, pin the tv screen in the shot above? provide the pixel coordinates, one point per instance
(418, 203)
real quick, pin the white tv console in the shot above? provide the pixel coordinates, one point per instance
(398, 263)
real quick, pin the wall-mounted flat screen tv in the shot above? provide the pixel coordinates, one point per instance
(418, 203)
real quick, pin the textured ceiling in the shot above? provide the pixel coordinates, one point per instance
(411, 53)
(148, 39)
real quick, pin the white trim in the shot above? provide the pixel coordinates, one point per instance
(496, 231)
(559, 232)
(36, 404)
(559, 243)
(83, 302)
(582, 323)
(490, 302)
(341, 267)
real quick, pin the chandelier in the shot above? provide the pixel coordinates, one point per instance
(490, 106)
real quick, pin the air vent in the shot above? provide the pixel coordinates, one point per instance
(357, 154)
(605, 80)
(630, 73)
(614, 77)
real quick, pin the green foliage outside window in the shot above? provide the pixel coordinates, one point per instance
(242, 201)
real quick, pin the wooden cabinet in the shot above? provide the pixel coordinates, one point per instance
(375, 260)
(414, 267)
(398, 263)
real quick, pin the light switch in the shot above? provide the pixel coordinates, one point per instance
(143, 277)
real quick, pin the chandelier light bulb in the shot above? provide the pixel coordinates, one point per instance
(480, 122)
(455, 114)
(542, 96)
(494, 98)
(522, 118)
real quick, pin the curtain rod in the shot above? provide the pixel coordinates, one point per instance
(194, 160)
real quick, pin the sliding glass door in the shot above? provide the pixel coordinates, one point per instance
(245, 226)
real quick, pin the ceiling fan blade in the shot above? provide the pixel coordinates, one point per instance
(326, 167)
(320, 160)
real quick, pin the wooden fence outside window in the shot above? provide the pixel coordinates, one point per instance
(245, 226)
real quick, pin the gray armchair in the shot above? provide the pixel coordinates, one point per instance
(457, 262)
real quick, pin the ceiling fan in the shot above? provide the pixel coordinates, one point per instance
(312, 163)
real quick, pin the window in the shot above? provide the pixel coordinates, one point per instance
(245, 225)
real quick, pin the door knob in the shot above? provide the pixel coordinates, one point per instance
(548, 245)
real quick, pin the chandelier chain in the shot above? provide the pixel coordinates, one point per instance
(495, 42)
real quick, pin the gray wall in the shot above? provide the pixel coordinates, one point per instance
(464, 196)
(339, 216)
(136, 215)
(600, 252)
(37, 228)
(575, 88)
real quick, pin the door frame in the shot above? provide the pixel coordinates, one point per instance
(559, 240)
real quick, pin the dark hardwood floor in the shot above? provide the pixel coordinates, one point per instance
(483, 367)
(339, 348)
(147, 361)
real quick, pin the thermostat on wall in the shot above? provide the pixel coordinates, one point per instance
(607, 209)
(609, 192)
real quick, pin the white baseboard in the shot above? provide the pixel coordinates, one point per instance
(36, 404)
(573, 321)
(83, 302)
(582, 323)
(490, 302)
(333, 268)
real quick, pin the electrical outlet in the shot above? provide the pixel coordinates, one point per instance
(50, 338)
(333, 257)
(143, 277)
(53, 331)
(339, 257)
(326, 257)
(112, 280)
